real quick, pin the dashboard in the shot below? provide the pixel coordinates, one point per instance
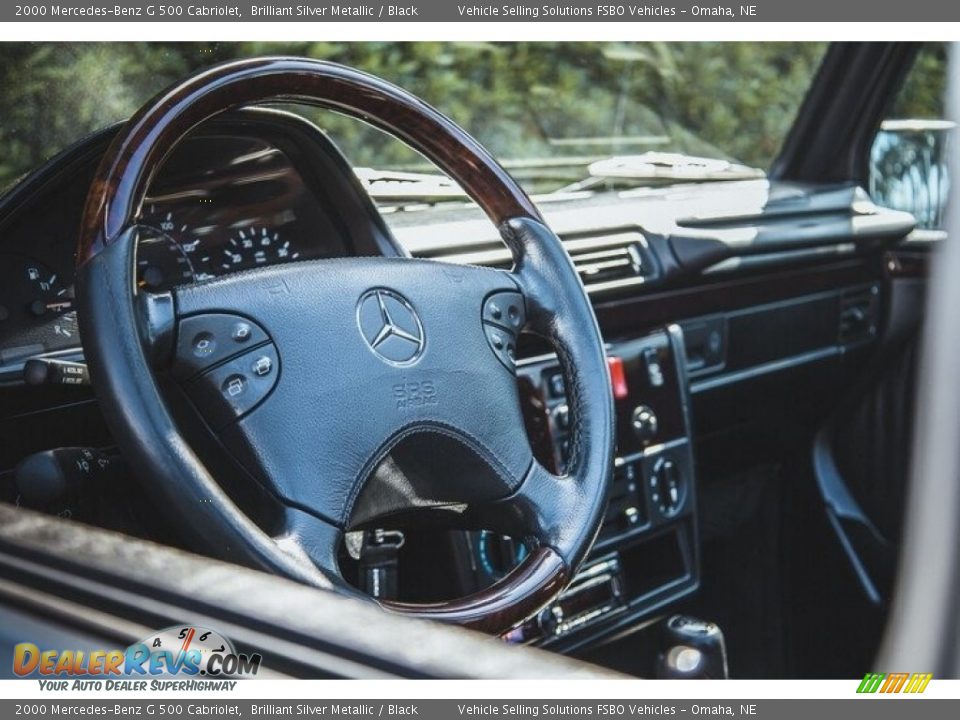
(726, 309)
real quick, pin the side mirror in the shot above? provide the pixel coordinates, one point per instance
(908, 169)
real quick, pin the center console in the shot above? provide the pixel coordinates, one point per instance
(646, 553)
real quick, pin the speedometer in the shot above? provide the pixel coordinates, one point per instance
(167, 253)
(253, 247)
(162, 262)
(178, 245)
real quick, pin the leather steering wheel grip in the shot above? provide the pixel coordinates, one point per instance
(119, 342)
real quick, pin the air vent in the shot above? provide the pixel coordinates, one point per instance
(604, 262)
(859, 308)
(611, 261)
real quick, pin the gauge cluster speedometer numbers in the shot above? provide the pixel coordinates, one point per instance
(171, 252)
(165, 253)
(253, 247)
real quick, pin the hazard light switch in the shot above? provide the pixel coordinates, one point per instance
(618, 378)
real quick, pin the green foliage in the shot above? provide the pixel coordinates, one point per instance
(922, 96)
(733, 100)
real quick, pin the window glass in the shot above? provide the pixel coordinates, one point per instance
(908, 161)
(547, 110)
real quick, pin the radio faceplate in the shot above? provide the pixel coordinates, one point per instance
(647, 547)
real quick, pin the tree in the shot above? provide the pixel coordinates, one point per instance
(522, 100)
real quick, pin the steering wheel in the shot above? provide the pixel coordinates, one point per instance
(312, 373)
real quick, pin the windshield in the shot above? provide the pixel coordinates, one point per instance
(553, 113)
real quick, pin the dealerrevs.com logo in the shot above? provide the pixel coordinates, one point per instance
(890, 683)
(179, 651)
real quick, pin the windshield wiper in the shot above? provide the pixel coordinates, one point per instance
(663, 168)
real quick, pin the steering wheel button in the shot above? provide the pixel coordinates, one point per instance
(204, 345)
(231, 390)
(262, 366)
(242, 332)
(234, 386)
(513, 318)
(207, 340)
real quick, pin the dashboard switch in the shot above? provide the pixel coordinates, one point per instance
(618, 378)
(561, 416)
(556, 386)
(654, 369)
(645, 423)
(66, 481)
(666, 487)
(37, 371)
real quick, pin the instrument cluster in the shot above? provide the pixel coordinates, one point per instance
(253, 210)
(221, 203)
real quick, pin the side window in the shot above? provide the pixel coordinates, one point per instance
(908, 161)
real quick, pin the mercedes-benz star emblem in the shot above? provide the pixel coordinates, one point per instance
(390, 326)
